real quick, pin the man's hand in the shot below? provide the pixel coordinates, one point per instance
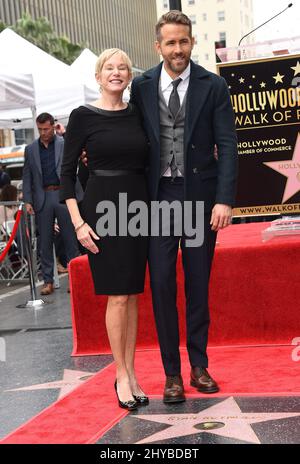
(84, 157)
(29, 208)
(60, 129)
(220, 217)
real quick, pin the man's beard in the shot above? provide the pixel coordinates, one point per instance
(180, 67)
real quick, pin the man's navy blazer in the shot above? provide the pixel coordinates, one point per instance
(33, 191)
(209, 122)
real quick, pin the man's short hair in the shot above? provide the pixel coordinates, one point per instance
(45, 117)
(172, 17)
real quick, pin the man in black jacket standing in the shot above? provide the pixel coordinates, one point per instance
(187, 112)
(41, 184)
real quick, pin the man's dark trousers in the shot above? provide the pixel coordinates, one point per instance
(45, 222)
(197, 261)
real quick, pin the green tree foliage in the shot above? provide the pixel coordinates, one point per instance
(40, 32)
(2, 26)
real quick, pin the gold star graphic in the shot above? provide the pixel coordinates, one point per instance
(241, 80)
(278, 78)
(296, 68)
(263, 85)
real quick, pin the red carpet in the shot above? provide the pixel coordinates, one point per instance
(254, 300)
(85, 414)
(254, 295)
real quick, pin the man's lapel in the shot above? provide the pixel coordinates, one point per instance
(149, 96)
(58, 146)
(36, 155)
(198, 91)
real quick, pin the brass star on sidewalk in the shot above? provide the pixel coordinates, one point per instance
(296, 68)
(224, 419)
(71, 380)
(278, 78)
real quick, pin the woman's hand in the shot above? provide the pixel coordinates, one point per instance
(85, 234)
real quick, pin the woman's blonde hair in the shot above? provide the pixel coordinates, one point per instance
(107, 54)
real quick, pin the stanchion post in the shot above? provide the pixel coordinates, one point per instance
(28, 250)
(34, 302)
(175, 5)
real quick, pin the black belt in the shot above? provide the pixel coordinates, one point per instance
(171, 180)
(116, 172)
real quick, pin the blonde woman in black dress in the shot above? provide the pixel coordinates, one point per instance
(111, 132)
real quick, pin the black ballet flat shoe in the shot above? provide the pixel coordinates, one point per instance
(129, 405)
(141, 400)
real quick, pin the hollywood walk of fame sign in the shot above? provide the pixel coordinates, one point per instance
(265, 96)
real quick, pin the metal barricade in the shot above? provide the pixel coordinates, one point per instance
(19, 250)
(14, 266)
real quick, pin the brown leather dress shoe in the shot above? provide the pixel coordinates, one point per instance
(201, 380)
(47, 289)
(174, 390)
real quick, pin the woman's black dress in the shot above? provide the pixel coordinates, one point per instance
(114, 140)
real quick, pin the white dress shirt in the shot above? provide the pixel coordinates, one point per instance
(167, 87)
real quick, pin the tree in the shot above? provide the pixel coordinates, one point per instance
(40, 33)
(2, 26)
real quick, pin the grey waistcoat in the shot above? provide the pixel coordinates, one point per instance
(171, 135)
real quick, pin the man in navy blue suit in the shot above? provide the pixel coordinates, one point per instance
(187, 112)
(41, 184)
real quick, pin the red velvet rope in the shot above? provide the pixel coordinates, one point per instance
(12, 236)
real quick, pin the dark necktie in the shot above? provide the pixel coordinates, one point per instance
(174, 102)
(174, 106)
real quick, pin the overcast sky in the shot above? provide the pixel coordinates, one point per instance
(285, 25)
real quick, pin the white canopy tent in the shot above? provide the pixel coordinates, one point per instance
(45, 85)
(16, 92)
(84, 68)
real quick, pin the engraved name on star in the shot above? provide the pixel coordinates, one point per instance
(71, 380)
(278, 78)
(291, 170)
(224, 419)
(296, 69)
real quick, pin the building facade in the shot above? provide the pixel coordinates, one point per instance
(215, 21)
(98, 24)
